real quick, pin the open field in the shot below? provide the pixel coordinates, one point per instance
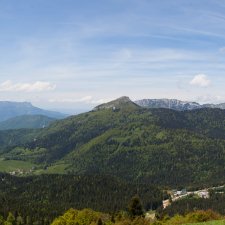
(16, 165)
(13, 165)
(53, 169)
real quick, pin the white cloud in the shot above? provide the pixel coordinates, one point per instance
(37, 86)
(86, 99)
(200, 80)
(101, 101)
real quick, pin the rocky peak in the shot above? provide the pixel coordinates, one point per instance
(118, 103)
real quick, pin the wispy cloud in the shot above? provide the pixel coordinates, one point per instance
(159, 55)
(37, 86)
(222, 50)
(200, 80)
(86, 100)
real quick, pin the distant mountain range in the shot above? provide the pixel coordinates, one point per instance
(175, 104)
(13, 109)
(26, 121)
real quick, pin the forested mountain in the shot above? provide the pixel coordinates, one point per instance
(26, 121)
(175, 104)
(47, 196)
(12, 109)
(120, 138)
(38, 200)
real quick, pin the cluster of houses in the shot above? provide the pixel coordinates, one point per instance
(19, 172)
(178, 194)
(182, 193)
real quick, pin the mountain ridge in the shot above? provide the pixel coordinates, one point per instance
(175, 104)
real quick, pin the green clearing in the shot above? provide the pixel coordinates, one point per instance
(13, 165)
(54, 169)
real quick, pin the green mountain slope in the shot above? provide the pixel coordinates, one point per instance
(26, 121)
(159, 146)
(12, 138)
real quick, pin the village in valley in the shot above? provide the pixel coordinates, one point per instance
(179, 194)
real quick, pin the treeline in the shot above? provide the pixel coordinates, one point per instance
(42, 198)
(90, 217)
(17, 219)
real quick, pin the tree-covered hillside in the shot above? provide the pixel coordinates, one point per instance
(26, 121)
(47, 196)
(157, 146)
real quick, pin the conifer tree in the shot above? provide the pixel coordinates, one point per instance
(135, 207)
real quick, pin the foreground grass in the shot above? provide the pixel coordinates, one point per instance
(216, 222)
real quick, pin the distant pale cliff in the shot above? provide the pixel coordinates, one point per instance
(13, 109)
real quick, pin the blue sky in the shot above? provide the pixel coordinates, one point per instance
(72, 55)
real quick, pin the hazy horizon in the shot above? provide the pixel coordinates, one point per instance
(85, 108)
